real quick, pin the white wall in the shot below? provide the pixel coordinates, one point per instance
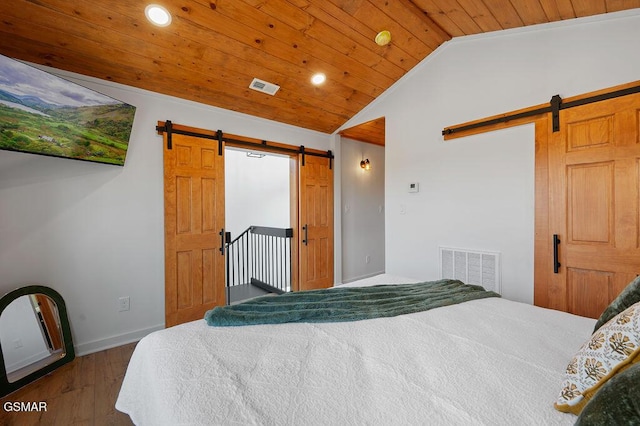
(95, 232)
(256, 191)
(362, 201)
(478, 192)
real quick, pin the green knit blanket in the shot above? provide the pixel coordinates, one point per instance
(346, 304)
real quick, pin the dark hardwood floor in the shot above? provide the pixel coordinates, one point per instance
(82, 392)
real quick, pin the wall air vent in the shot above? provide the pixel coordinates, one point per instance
(471, 267)
(264, 86)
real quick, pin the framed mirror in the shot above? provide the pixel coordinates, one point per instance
(35, 337)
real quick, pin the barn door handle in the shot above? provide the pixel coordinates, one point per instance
(306, 236)
(556, 243)
(222, 239)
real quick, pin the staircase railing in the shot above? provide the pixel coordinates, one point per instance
(260, 256)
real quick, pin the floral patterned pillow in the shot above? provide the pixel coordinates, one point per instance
(628, 296)
(612, 348)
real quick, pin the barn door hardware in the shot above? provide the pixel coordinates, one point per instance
(223, 240)
(170, 130)
(556, 263)
(220, 138)
(556, 102)
(554, 107)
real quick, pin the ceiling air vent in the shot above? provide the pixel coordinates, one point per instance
(264, 86)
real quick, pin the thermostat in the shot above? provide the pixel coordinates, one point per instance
(414, 187)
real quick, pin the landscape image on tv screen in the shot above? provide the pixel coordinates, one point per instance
(44, 114)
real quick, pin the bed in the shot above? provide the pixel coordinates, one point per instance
(484, 362)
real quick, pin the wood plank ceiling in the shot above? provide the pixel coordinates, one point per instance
(371, 131)
(214, 48)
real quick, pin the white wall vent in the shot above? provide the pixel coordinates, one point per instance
(471, 267)
(264, 86)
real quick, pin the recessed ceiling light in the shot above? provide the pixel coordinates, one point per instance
(318, 78)
(157, 15)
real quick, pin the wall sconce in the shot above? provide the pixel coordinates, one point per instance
(365, 164)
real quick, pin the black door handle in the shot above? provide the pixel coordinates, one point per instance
(556, 243)
(222, 238)
(306, 236)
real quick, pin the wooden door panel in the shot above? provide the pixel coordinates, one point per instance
(594, 193)
(322, 255)
(309, 197)
(589, 291)
(596, 132)
(323, 212)
(310, 261)
(184, 279)
(184, 204)
(590, 203)
(210, 276)
(316, 214)
(209, 198)
(194, 217)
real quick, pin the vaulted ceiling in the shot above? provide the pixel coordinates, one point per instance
(214, 48)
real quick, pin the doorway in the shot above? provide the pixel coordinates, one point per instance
(257, 197)
(362, 153)
(195, 235)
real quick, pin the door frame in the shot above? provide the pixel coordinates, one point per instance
(296, 157)
(294, 166)
(296, 160)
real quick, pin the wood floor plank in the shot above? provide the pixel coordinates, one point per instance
(82, 392)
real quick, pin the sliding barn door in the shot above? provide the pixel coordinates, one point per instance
(194, 221)
(594, 171)
(316, 223)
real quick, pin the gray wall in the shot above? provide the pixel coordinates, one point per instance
(362, 215)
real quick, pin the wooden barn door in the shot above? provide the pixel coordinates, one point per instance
(194, 220)
(315, 223)
(594, 171)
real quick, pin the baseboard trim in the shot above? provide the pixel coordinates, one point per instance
(26, 361)
(362, 277)
(114, 341)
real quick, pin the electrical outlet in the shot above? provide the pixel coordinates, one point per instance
(123, 304)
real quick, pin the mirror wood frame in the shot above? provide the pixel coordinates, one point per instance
(7, 387)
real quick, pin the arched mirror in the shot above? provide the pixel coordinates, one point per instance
(35, 337)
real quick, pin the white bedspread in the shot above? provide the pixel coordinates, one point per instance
(484, 362)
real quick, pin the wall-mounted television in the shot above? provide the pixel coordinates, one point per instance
(41, 113)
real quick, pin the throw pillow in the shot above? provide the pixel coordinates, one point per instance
(611, 348)
(629, 296)
(616, 403)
